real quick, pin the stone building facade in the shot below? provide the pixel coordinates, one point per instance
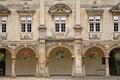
(47, 38)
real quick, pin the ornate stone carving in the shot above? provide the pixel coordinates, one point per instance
(26, 37)
(115, 9)
(94, 36)
(26, 10)
(3, 37)
(116, 36)
(26, 6)
(4, 10)
(60, 8)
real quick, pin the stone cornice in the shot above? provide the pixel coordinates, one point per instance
(94, 11)
(26, 12)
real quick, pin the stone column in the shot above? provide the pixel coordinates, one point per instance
(41, 59)
(37, 68)
(83, 65)
(13, 67)
(78, 59)
(42, 12)
(107, 74)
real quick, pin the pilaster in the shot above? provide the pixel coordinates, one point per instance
(13, 68)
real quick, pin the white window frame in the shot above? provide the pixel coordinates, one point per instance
(3, 20)
(26, 20)
(94, 20)
(60, 20)
(116, 19)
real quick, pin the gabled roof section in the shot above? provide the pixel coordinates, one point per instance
(4, 10)
(115, 9)
(60, 8)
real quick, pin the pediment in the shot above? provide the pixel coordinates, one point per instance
(115, 9)
(60, 9)
(4, 10)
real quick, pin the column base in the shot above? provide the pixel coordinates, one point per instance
(13, 76)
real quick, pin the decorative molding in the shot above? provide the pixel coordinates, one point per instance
(3, 37)
(60, 9)
(94, 36)
(115, 9)
(4, 10)
(25, 10)
(116, 36)
(26, 37)
(94, 9)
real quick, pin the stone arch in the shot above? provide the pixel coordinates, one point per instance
(30, 47)
(60, 60)
(115, 46)
(96, 47)
(55, 46)
(7, 48)
(96, 61)
(113, 63)
(7, 51)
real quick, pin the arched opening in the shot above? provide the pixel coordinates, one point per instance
(94, 61)
(5, 62)
(60, 62)
(25, 62)
(114, 62)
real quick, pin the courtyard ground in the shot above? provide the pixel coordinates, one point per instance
(63, 78)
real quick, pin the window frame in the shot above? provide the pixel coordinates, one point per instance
(62, 29)
(118, 22)
(26, 22)
(94, 23)
(3, 29)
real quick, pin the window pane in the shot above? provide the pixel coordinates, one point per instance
(63, 19)
(97, 18)
(29, 28)
(91, 27)
(23, 19)
(97, 26)
(29, 19)
(115, 18)
(57, 19)
(63, 27)
(22, 27)
(4, 19)
(91, 18)
(57, 27)
(115, 26)
(3, 27)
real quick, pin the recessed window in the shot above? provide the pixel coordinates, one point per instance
(94, 23)
(116, 21)
(3, 24)
(26, 24)
(60, 24)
